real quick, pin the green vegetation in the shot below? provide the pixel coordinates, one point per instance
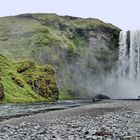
(27, 82)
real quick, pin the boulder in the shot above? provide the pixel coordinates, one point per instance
(101, 96)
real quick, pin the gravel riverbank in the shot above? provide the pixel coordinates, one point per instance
(117, 120)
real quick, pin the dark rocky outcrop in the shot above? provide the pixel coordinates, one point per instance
(101, 96)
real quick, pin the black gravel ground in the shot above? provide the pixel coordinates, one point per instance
(107, 120)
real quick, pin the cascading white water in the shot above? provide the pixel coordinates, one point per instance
(127, 82)
(123, 54)
(124, 81)
(129, 55)
(134, 54)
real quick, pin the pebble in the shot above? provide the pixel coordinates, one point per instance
(116, 125)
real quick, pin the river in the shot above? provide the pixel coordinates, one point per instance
(16, 110)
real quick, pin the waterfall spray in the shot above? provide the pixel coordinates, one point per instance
(128, 82)
(124, 82)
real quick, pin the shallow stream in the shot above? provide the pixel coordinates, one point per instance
(16, 110)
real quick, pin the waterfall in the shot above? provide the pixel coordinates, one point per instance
(123, 54)
(125, 82)
(129, 55)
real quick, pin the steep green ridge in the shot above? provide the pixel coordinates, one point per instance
(26, 82)
(79, 49)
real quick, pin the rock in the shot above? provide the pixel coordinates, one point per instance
(53, 136)
(70, 137)
(36, 127)
(86, 132)
(41, 131)
(88, 137)
(101, 96)
(23, 124)
(17, 80)
(127, 138)
(93, 132)
(104, 133)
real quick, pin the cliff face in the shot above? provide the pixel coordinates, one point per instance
(79, 49)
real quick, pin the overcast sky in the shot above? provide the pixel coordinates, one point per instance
(122, 13)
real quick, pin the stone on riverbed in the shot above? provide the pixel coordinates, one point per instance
(101, 96)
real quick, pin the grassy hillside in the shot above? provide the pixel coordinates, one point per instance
(31, 33)
(79, 49)
(26, 82)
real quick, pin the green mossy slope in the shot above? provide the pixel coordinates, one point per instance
(27, 82)
(29, 35)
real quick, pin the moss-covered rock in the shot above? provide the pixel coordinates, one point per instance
(43, 82)
(23, 66)
(27, 82)
(17, 80)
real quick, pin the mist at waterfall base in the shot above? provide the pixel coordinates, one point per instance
(124, 81)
